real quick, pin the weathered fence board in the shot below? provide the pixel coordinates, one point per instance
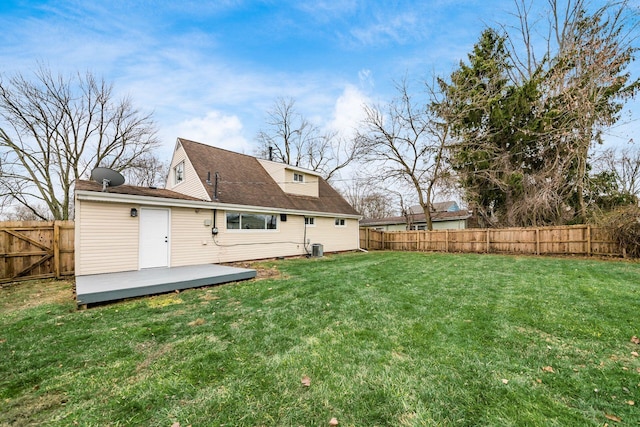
(36, 249)
(564, 240)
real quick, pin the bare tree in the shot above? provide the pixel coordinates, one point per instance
(624, 164)
(407, 142)
(368, 200)
(147, 171)
(292, 139)
(55, 129)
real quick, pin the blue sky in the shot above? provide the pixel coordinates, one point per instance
(210, 70)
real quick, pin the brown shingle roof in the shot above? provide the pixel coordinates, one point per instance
(243, 181)
(133, 190)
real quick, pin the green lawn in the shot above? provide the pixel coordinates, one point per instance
(387, 339)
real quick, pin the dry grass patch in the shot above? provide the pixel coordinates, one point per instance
(18, 296)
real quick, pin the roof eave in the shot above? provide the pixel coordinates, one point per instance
(95, 196)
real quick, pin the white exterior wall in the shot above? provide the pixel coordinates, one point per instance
(191, 184)
(106, 238)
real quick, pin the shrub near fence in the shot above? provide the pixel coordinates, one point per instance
(565, 240)
(36, 249)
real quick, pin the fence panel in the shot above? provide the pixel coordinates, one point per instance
(36, 249)
(562, 240)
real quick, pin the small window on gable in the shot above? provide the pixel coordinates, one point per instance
(310, 221)
(298, 177)
(340, 222)
(178, 173)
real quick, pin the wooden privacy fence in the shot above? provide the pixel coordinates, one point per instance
(36, 249)
(565, 240)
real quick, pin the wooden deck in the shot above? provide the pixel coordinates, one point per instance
(97, 288)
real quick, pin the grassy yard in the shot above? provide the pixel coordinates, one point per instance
(387, 339)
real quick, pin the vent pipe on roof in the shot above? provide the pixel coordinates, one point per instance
(215, 187)
(270, 153)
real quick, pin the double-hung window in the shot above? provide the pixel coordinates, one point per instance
(178, 173)
(298, 177)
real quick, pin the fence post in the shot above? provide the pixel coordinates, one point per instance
(537, 241)
(56, 249)
(488, 241)
(446, 240)
(589, 240)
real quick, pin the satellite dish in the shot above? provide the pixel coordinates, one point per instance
(107, 177)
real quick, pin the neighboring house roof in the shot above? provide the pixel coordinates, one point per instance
(448, 206)
(82, 185)
(416, 218)
(243, 181)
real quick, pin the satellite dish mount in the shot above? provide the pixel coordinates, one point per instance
(107, 177)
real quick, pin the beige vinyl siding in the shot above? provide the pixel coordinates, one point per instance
(191, 239)
(332, 238)
(309, 187)
(283, 176)
(276, 170)
(240, 245)
(288, 240)
(107, 238)
(191, 185)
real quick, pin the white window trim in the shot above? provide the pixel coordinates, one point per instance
(312, 221)
(298, 181)
(175, 173)
(337, 221)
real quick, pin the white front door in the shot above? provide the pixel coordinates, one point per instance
(154, 238)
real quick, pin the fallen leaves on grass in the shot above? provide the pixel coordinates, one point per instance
(612, 418)
(630, 402)
(548, 369)
(306, 381)
(197, 322)
(635, 340)
(634, 353)
(333, 421)
(505, 381)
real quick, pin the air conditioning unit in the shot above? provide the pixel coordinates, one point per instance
(316, 250)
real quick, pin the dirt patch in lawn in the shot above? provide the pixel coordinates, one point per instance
(263, 271)
(32, 293)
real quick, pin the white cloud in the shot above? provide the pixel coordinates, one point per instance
(348, 111)
(216, 129)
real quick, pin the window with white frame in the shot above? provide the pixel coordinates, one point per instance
(251, 221)
(298, 177)
(178, 173)
(340, 222)
(309, 221)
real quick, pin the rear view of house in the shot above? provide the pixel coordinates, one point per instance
(218, 206)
